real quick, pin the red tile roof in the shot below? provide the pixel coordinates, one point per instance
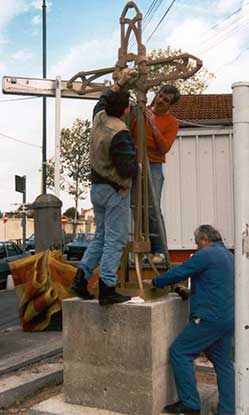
(209, 108)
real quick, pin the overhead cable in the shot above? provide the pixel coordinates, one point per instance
(19, 141)
(160, 21)
(17, 99)
(225, 36)
(152, 14)
(153, 4)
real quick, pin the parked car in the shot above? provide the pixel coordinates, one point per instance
(9, 251)
(77, 247)
(30, 244)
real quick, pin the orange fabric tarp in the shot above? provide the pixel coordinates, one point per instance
(41, 281)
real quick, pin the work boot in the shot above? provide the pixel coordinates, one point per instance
(79, 286)
(108, 295)
(180, 408)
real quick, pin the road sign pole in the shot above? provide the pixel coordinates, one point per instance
(24, 217)
(57, 137)
(44, 99)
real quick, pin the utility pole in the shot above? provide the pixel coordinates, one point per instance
(241, 204)
(44, 100)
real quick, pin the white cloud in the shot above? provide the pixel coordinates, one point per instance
(227, 6)
(37, 4)
(222, 49)
(3, 68)
(187, 34)
(22, 55)
(10, 9)
(91, 55)
(36, 20)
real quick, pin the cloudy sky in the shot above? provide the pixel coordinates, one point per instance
(83, 35)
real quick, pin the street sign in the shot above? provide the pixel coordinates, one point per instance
(20, 184)
(64, 219)
(46, 87)
(5, 218)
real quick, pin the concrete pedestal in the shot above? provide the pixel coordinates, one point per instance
(116, 357)
(47, 216)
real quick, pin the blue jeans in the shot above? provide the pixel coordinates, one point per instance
(157, 178)
(111, 211)
(215, 339)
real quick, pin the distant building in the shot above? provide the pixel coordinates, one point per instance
(87, 217)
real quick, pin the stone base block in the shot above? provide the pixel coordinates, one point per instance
(116, 357)
(57, 405)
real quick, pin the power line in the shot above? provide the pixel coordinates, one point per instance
(229, 28)
(17, 99)
(225, 36)
(148, 20)
(226, 18)
(152, 5)
(147, 14)
(232, 61)
(160, 21)
(19, 141)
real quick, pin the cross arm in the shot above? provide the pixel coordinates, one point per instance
(181, 66)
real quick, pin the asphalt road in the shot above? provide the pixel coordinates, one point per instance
(8, 309)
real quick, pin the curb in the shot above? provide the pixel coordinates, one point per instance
(19, 386)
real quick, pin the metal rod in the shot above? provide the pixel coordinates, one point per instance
(241, 202)
(24, 217)
(139, 185)
(57, 137)
(44, 100)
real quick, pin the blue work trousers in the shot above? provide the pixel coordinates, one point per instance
(156, 169)
(111, 211)
(215, 339)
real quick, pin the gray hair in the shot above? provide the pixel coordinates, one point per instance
(208, 232)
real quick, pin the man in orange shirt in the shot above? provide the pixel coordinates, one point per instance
(161, 129)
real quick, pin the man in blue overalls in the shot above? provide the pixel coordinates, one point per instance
(211, 324)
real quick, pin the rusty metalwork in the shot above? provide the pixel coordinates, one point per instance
(181, 66)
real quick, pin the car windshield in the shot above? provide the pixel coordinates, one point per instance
(83, 237)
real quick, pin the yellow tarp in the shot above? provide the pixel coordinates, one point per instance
(41, 283)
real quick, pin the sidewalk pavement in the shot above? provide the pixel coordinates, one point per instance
(18, 348)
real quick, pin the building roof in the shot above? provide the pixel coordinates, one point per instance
(205, 108)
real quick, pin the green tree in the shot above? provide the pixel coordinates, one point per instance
(75, 162)
(194, 85)
(70, 213)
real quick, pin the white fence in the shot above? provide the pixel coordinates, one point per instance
(198, 187)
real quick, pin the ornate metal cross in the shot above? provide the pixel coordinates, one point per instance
(178, 67)
(181, 66)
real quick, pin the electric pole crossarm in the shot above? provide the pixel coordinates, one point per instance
(47, 87)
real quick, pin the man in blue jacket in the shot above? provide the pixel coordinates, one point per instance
(211, 324)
